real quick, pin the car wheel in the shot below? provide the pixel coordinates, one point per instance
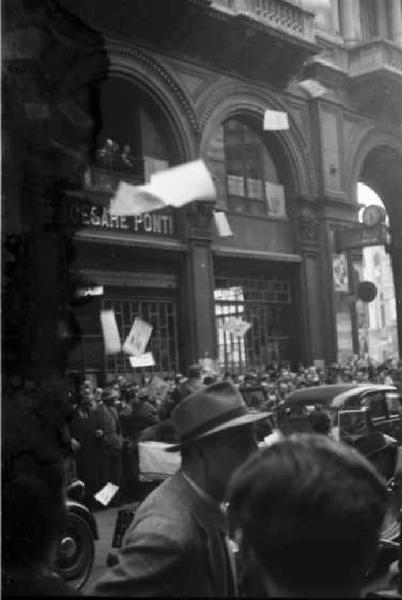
(76, 552)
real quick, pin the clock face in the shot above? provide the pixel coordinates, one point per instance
(372, 215)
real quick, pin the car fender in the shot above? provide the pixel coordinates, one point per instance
(82, 511)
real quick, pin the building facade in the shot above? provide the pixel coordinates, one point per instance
(193, 78)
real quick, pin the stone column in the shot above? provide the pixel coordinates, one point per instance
(200, 282)
(313, 291)
(382, 18)
(351, 24)
(396, 22)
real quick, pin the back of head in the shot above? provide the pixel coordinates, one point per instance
(310, 511)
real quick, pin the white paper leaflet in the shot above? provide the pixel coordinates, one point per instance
(146, 360)
(105, 495)
(133, 200)
(138, 337)
(275, 120)
(236, 326)
(155, 462)
(111, 336)
(222, 224)
(173, 187)
(313, 87)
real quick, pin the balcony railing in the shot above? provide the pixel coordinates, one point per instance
(106, 173)
(285, 15)
(376, 56)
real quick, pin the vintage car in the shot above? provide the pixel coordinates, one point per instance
(383, 401)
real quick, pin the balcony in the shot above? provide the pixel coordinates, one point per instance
(281, 15)
(375, 71)
(266, 40)
(378, 57)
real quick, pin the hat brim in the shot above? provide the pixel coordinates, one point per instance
(237, 422)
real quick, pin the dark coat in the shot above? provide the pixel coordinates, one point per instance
(88, 457)
(174, 547)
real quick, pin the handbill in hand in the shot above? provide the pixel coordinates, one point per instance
(222, 224)
(111, 336)
(106, 494)
(275, 120)
(138, 337)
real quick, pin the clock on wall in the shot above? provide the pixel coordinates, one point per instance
(373, 214)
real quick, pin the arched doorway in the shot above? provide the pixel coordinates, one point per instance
(377, 320)
(381, 172)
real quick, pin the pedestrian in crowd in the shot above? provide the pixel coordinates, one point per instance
(177, 543)
(87, 430)
(188, 386)
(112, 440)
(320, 420)
(307, 514)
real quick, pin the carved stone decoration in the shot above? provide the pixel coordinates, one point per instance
(309, 228)
(199, 218)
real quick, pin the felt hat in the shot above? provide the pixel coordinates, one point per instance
(210, 410)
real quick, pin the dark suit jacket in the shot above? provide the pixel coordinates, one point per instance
(174, 547)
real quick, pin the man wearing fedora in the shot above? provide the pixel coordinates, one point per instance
(177, 543)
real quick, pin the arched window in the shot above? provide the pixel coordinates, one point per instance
(133, 136)
(245, 173)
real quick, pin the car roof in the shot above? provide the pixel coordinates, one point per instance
(334, 394)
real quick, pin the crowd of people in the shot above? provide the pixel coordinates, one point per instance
(230, 520)
(108, 423)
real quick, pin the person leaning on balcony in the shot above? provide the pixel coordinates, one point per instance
(177, 545)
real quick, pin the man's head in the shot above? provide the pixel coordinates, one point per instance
(110, 396)
(213, 426)
(308, 512)
(86, 393)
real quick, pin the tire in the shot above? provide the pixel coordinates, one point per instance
(76, 552)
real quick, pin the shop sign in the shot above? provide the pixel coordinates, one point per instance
(96, 217)
(362, 236)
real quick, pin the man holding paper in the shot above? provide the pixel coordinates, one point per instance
(177, 545)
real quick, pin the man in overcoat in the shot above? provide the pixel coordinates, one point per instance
(177, 544)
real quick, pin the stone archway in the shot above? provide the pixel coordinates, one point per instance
(378, 164)
(149, 76)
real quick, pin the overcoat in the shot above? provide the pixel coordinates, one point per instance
(174, 547)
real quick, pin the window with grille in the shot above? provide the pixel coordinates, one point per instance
(266, 304)
(161, 314)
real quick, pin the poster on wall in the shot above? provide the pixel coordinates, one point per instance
(275, 194)
(340, 272)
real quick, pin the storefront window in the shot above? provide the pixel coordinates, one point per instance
(159, 313)
(265, 304)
